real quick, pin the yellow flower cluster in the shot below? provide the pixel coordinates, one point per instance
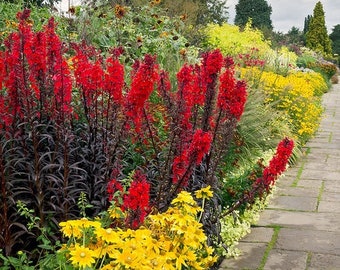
(298, 94)
(170, 240)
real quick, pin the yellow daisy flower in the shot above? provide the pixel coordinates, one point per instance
(70, 229)
(183, 197)
(108, 235)
(128, 258)
(116, 213)
(204, 193)
(82, 256)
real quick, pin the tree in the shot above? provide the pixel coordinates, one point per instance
(293, 39)
(295, 36)
(257, 10)
(217, 11)
(335, 37)
(317, 38)
(306, 24)
(199, 12)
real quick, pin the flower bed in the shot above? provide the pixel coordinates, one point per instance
(100, 157)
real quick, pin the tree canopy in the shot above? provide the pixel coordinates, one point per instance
(257, 10)
(317, 38)
(335, 37)
(199, 11)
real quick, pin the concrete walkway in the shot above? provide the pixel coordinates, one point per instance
(300, 229)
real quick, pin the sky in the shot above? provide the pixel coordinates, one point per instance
(285, 13)
(289, 13)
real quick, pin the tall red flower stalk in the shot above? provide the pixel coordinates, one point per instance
(36, 76)
(204, 109)
(136, 201)
(112, 187)
(144, 78)
(191, 156)
(212, 63)
(61, 79)
(89, 76)
(19, 100)
(114, 80)
(277, 164)
(232, 94)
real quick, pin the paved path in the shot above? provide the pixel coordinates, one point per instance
(300, 229)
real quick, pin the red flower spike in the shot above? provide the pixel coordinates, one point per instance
(179, 167)
(232, 95)
(114, 79)
(112, 187)
(2, 69)
(164, 88)
(212, 63)
(277, 164)
(143, 81)
(62, 85)
(24, 15)
(90, 78)
(193, 155)
(136, 202)
(200, 145)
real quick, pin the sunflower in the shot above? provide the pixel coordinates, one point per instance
(155, 2)
(82, 256)
(120, 11)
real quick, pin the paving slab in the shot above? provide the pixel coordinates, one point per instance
(290, 173)
(298, 191)
(297, 219)
(311, 183)
(329, 207)
(285, 259)
(322, 166)
(259, 235)
(332, 186)
(324, 262)
(317, 155)
(250, 259)
(320, 174)
(330, 196)
(296, 203)
(286, 181)
(302, 239)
